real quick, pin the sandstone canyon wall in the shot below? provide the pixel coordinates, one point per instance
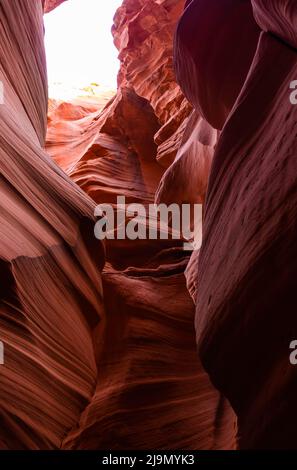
(100, 347)
(246, 302)
(92, 360)
(51, 289)
(143, 378)
(250, 238)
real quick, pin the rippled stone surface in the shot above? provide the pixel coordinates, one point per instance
(99, 344)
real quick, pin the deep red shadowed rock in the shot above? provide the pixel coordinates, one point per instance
(214, 47)
(278, 17)
(143, 33)
(67, 380)
(246, 303)
(152, 391)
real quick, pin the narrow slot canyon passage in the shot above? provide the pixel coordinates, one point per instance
(147, 342)
(127, 149)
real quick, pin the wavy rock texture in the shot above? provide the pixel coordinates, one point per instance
(51, 293)
(91, 366)
(150, 381)
(278, 17)
(86, 367)
(211, 77)
(143, 33)
(246, 303)
(143, 378)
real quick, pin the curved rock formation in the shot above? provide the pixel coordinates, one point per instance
(139, 275)
(211, 77)
(150, 381)
(51, 293)
(246, 302)
(87, 368)
(99, 341)
(277, 17)
(143, 32)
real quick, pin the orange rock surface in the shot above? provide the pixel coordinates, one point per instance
(246, 301)
(92, 365)
(100, 347)
(51, 305)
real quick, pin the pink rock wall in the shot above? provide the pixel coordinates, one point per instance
(100, 347)
(246, 303)
(51, 292)
(84, 359)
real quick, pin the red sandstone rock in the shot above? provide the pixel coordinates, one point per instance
(50, 291)
(141, 376)
(185, 181)
(117, 151)
(49, 5)
(246, 302)
(250, 244)
(143, 32)
(277, 17)
(215, 45)
(150, 382)
(69, 378)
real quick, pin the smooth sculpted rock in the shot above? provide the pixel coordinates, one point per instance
(143, 33)
(250, 250)
(214, 47)
(152, 391)
(51, 305)
(90, 365)
(247, 271)
(278, 17)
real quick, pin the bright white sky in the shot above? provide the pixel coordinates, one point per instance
(79, 44)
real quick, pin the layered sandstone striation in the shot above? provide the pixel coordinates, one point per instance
(143, 32)
(246, 303)
(100, 347)
(99, 341)
(143, 379)
(51, 292)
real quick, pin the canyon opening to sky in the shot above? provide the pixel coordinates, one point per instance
(79, 49)
(116, 336)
